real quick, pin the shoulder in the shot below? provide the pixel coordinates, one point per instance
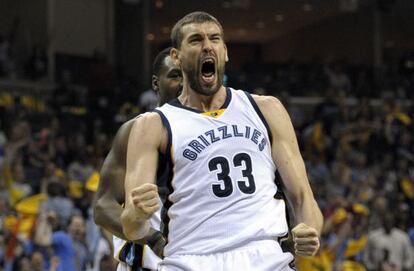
(120, 141)
(272, 109)
(126, 126)
(267, 102)
(123, 131)
(149, 120)
(148, 130)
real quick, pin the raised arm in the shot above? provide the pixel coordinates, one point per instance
(111, 191)
(44, 232)
(146, 139)
(289, 162)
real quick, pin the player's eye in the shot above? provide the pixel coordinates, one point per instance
(195, 39)
(216, 38)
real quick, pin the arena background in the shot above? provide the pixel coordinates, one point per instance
(71, 71)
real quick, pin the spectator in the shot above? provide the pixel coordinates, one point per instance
(81, 168)
(389, 246)
(67, 244)
(57, 202)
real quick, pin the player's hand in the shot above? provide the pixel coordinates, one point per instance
(305, 239)
(145, 201)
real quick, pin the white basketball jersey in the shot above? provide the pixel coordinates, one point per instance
(223, 178)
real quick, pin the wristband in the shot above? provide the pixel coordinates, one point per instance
(153, 240)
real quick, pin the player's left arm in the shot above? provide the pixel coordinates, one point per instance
(289, 162)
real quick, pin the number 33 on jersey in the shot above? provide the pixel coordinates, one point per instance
(221, 179)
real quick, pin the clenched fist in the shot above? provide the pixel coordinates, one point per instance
(305, 239)
(145, 200)
(142, 204)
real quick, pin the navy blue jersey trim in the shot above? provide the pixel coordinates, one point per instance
(292, 265)
(124, 251)
(280, 195)
(132, 254)
(164, 161)
(228, 99)
(167, 126)
(177, 103)
(164, 182)
(259, 113)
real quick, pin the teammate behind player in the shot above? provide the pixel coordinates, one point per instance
(166, 81)
(225, 146)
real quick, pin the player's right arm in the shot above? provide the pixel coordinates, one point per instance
(146, 139)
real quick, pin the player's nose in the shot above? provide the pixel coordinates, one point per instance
(207, 46)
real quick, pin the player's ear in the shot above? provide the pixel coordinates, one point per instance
(175, 57)
(155, 83)
(225, 50)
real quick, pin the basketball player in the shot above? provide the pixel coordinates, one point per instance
(225, 147)
(166, 81)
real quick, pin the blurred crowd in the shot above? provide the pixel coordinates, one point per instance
(49, 174)
(359, 159)
(358, 151)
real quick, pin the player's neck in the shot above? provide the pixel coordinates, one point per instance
(204, 103)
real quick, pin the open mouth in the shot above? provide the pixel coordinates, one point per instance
(208, 70)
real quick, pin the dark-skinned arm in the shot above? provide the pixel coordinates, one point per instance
(111, 192)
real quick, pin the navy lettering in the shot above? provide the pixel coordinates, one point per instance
(255, 136)
(202, 138)
(223, 130)
(262, 144)
(213, 138)
(189, 154)
(195, 145)
(200, 143)
(236, 132)
(247, 135)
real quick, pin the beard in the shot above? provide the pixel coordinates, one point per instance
(196, 84)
